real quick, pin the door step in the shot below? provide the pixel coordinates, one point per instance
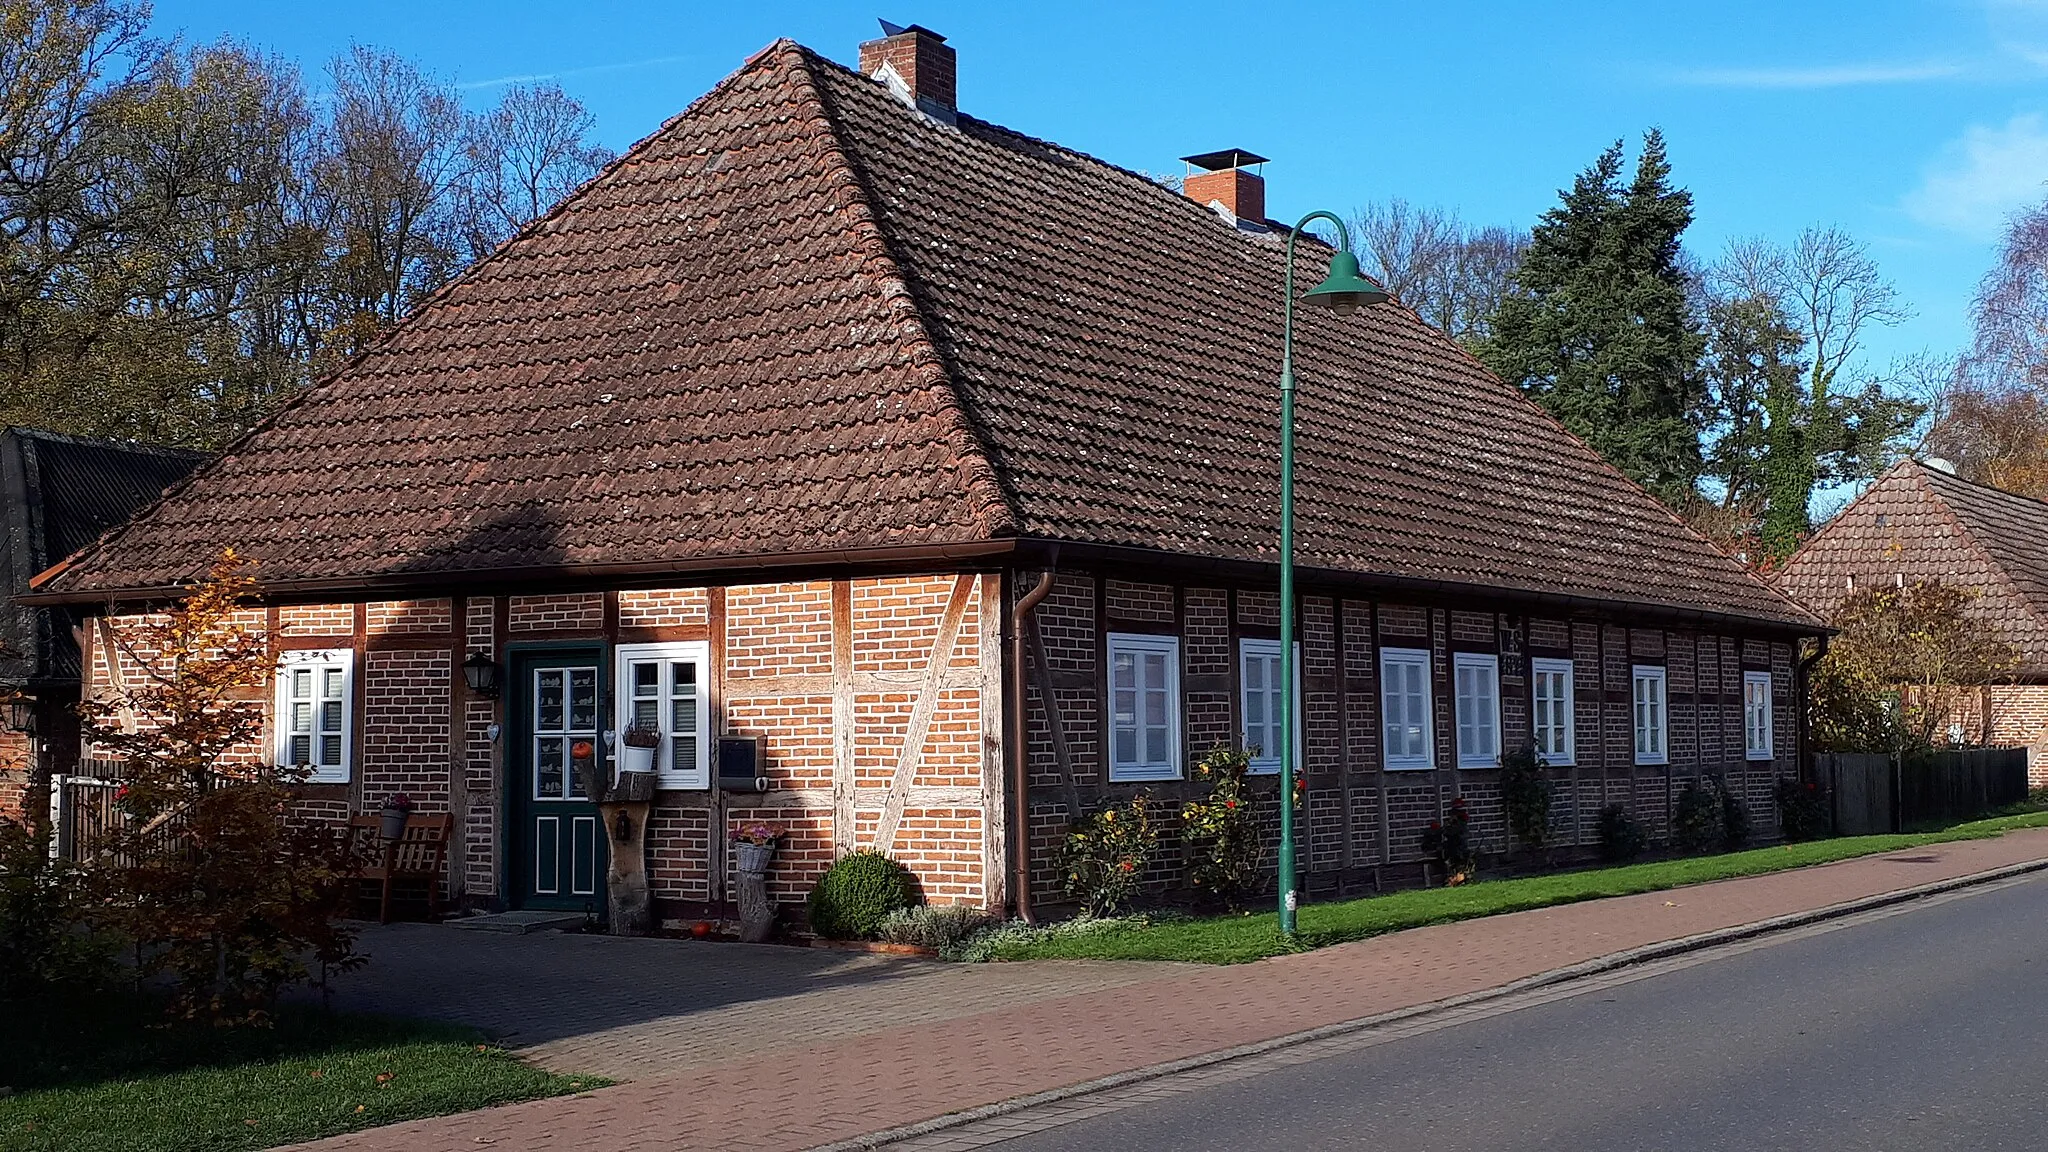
(521, 923)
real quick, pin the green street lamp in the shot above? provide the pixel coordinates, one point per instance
(1343, 290)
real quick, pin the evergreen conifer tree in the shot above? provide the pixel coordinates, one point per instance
(1599, 330)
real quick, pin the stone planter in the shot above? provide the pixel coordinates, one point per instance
(393, 826)
(755, 858)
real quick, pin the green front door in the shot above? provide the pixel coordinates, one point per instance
(558, 852)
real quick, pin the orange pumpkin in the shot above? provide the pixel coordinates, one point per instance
(701, 929)
(582, 750)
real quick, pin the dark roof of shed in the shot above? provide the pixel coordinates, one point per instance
(804, 318)
(58, 494)
(1921, 523)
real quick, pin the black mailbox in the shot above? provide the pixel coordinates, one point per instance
(739, 764)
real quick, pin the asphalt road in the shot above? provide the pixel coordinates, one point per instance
(1926, 1029)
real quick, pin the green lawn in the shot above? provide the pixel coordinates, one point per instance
(107, 1080)
(1236, 939)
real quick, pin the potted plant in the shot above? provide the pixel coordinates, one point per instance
(640, 742)
(754, 843)
(396, 808)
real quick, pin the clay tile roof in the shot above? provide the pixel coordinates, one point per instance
(1921, 523)
(804, 317)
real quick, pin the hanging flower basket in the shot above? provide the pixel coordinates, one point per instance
(637, 748)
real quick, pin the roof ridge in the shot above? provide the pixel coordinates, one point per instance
(995, 509)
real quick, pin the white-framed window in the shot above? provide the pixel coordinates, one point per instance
(1756, 715)
(1650, 715)
(1407, 734)
(1144, 707)
(315, 705)
(1475, 680)
(1552, 726)
(663, 686)
(1258, 669)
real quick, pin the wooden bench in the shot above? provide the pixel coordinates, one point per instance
(420, 854)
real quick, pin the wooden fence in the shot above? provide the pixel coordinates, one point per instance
(1876, 792)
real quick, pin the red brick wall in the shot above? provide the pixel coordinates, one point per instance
(14, 761)
(1359, 817)
(421, 733)
(405, 736)
(579, 612)
(401, 617)
(665, 608)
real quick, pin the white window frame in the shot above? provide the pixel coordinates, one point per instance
(1541, 668)
(1139, 645)
(1249, 648)
(1757, 716)
(1408, 762)
(317, 659)
(1489, 664)
(1640, 680)
(697, 652)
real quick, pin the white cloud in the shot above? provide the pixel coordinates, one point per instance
(1823, 76)
(1983, 176)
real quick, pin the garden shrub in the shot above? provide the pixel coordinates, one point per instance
(1222, 829)
(47, 949)
(1696, 819)
(1449, 842)
(233, 899)
(1734, 817)
(942, 928)
(1621, 838)
(1527, 796)
(1105, 853)
(1802, 810)
(857, 893)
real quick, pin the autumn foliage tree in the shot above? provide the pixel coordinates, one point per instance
(1909, 662)
(206, 872)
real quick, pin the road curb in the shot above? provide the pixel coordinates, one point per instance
(1598, 966)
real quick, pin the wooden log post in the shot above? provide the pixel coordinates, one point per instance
(622, 812)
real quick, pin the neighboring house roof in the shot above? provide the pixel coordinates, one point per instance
(57, 495)
(803, 319)
(1920, 523)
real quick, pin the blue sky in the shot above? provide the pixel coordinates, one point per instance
(1916, 126)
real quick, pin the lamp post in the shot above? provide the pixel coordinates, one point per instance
(1343, 290)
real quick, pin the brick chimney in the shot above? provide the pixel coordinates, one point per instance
(1226, 180)
(916, 64)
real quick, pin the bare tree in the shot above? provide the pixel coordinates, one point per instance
(1453, 276)
(390, 177)
(524, 155)
(1835, 292)
(1991, 418)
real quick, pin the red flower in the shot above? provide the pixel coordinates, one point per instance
(1811, 787)
(1127, 866)
(1230, 803)
(121, 793)
(1436, 825)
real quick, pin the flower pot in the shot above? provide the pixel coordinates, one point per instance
(636, 759)
(755, 857)
(393, 827)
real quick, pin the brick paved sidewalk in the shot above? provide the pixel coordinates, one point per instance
(853, 1084)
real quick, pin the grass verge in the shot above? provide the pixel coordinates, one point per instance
(105, 1079)
(1237, 939)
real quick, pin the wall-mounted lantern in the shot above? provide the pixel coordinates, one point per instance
(21, 714)
(481, 673)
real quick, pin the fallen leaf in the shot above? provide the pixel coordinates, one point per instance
(317, 1073)
(359, 1107)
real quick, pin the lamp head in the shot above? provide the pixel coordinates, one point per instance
(1344, 289)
